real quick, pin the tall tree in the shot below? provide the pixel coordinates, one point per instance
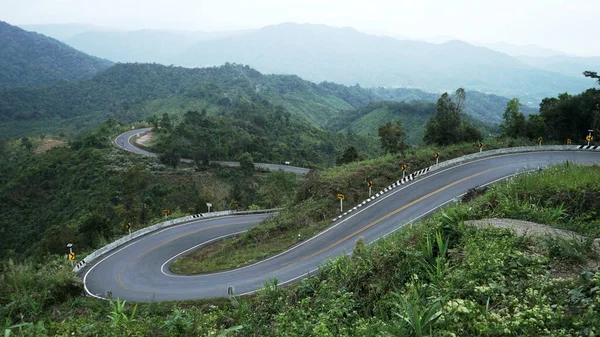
(514, 124)
(446, 126)
(392, 137)
(592, 74)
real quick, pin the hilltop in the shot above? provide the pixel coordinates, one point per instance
(31, 59)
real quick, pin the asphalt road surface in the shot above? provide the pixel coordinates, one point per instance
(124, 141)
(139, 271)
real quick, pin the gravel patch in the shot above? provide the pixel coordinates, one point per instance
(523, 227)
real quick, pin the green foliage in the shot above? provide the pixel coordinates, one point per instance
(446, 126)
(27, 289)
(514, 125)
(30, 59)
(392, 137)
(350, 155)
(267, 133)
(437, 277)
(571, 116)
(246, 163)
(277, 188)
(570, 202)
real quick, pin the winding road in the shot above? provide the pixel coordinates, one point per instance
(124, 141)
(139, 271)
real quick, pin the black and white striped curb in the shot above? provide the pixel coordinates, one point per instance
(398, 183)
(470, 157)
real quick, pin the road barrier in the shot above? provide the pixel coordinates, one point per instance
(93, 256)
(467, 158)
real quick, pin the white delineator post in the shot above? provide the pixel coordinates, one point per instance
(70, 246)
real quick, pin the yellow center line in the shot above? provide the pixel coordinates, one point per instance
(358, 231)
(118, 278)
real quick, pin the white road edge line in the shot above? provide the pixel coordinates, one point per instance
(136, 241)
(396, 229)
(162, 268)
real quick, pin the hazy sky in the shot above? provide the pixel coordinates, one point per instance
(570, 26)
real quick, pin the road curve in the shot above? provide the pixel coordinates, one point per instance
(140, 270)
(124, 141)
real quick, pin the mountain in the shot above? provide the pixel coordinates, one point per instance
(530, 50)
(566, 65)
(344, 55)
(130, 92)
(161, 46)
(30, 59)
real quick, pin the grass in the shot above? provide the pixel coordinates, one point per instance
(315, 207)
(436, 277)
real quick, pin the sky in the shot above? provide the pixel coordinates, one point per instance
(569, 26)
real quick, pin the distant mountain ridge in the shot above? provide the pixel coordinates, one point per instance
(31, 59)
(344, 55)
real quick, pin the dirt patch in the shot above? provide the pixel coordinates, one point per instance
(47, 144)
(526, 228)
(146, 139)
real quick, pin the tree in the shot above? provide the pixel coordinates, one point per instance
(246, 164)
(165, 122)
(392, 137)
(27, 144)
(170, 158)
(536, 126)
(514, 125)
(592, 74)
(446, 126)
(154, 121)
(350, 155)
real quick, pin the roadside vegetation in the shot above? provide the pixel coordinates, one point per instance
(311, 208)
(85, 190)
(437, 277)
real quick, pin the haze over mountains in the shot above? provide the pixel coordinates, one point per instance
(347, 56)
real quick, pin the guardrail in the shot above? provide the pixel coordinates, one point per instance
(93, 256)
(470, 157)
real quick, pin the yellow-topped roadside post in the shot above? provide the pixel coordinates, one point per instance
(370, 184)
(341, 197)
(437, 158)
(403, 170)
(71, 254)
(480, 145)
(540, 140)
(589, 137)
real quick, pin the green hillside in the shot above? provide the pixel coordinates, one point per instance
(486, 108)
(31, 59)
(414, 115)
(365, 120)
(131, 92)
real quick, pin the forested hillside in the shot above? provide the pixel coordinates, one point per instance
(130, 92)
(31, 59)
(85, 192)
